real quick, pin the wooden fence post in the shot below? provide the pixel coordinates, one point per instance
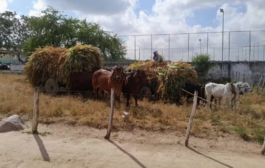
(252, 80)
(248, 78)
(236, 77)
(35, 111)
(263, 82)
(244, 78)
(191, 118)
(111, 113)
(263, 147)
(259, 83)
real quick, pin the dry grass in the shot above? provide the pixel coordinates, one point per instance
(16, 97)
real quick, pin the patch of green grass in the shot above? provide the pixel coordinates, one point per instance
(259, 134)
(216, 121)
(224, 129)
(242, 133)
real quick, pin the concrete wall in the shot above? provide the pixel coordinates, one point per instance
(238, 71)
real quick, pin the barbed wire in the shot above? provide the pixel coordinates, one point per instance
(237, 114)
(41, 90)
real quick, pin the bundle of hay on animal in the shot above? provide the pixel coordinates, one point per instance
(165, 80)
(59, 67)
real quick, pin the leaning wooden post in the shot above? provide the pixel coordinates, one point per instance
(252, 80)
(248, 78)
(263, 147)
(35, 111)
(263, 82)
(191, 118)
(259, 83)
(111, 113)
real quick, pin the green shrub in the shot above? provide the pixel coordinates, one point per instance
(202, 64)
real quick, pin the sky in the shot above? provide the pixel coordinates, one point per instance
(146, 17)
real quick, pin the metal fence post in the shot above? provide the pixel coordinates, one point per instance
(134, 47)
(207, 41)
(188, 46)
(151, 47)
(238, 54)
(139, 54)
(254, 47)
(242, 54)
(249, 44)
(263, 52)
(169, 47)
(258, 51)
(229, 46)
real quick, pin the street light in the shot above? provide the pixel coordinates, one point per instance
(222, 11)
(200, 46)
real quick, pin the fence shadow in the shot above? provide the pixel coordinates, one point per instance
(42, 148)
(226, 165)
(130, 155)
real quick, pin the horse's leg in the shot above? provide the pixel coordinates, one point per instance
(135, 99)
(211, 101)
(208, 100)
(230, 103)
(95, 93)
(128, 98)
(223, 100)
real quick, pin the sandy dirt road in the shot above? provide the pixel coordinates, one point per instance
(68, 146)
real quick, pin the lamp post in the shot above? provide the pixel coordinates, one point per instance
(222, 11)
(200, 46)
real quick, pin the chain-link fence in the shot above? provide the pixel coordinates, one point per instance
(238, 45)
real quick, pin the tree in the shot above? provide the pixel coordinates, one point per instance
(202, 64)
(12, 33)
(53, 28)
(111, 47)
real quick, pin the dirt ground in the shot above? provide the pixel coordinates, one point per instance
(66, 146)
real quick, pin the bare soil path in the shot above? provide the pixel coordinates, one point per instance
(68, 146)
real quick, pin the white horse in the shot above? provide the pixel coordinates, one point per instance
(224, 92)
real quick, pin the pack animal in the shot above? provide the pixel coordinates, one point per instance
(221, 91)
(192, 88)
(132, 84)
(81, 81)
(244, 89)
(105, 80)
(247, 88)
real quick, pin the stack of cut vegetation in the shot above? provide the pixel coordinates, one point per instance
(81, 59)
(174, 78)
(60, 63)
(152, 69)
(43, 64)
(171, 76)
